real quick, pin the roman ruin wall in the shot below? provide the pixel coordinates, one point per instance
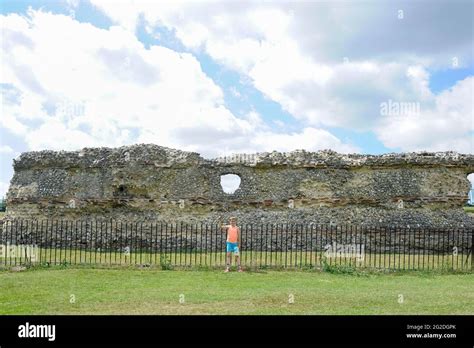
(154, 183)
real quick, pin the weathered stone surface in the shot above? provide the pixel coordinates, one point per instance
(150, 182)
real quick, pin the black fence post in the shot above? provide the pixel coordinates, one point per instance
(275, 245)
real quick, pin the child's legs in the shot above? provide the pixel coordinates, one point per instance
(237, 260)
(229, 259)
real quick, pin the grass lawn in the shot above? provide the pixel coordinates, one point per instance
(250, 259)
(150, 291)
(469, 209)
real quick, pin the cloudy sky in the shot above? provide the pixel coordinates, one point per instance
(236, 76)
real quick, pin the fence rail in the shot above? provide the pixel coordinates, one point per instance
(262, 246)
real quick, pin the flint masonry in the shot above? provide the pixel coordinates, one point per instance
(151, 182)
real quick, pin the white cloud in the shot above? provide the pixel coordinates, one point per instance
(448, 125)
(235, 92)
(332, 65)
(87, 86)
(311, 139)
(5, 149)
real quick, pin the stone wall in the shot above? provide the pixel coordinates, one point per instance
(150, 183)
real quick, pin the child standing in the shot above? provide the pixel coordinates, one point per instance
(233, 243)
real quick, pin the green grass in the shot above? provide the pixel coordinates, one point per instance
(468, 209)
(250, 259)
(132, 291)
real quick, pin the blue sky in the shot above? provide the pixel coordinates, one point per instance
(233, 77)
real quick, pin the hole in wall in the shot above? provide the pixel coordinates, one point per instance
(230, 183)
(121, 190)
(470, 195)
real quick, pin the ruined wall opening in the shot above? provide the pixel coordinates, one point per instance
(470, 196)
(230, 183)
(121, 190)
